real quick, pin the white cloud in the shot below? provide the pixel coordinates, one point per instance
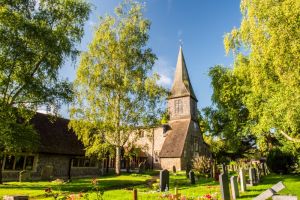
(165, 70)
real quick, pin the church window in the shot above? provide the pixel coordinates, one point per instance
(18, 162)
(178, 106)
(196, 145)
(84, 162)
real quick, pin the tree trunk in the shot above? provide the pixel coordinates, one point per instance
(1, 163)
(118, 160)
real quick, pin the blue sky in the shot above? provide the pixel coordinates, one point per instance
(200, 24)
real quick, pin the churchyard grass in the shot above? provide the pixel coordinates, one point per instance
(120, 187)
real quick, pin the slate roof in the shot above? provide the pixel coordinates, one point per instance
(176, 136)
(182, 85)
(55, 137)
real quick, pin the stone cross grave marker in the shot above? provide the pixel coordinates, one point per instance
(164, 180)
(243, 180)
(234, 187)
(192, 177)
(224, 184)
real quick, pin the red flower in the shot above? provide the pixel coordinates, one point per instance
(208, 196)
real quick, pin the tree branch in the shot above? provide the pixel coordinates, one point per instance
(289, 137)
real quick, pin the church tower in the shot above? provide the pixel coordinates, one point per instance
(182, 102)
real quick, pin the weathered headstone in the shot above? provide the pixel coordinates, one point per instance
(141, 168)
(234, 187)
(174, 169)
(255, 175)
(47, 172)
(192, 177)
(265, 195)
(164, 180)
(270, 192)
(243, 180)
(278, 187)
(15, 197)
(251, 176)
(224, 186)
(284, 197)
(263, 169)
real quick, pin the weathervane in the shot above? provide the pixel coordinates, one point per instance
(180, 43)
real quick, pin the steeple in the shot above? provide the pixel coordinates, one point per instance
(182, 85)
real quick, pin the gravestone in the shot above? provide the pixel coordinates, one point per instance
(284, 197)
(234, 187)
(192, 177)
(164, 180)
(224, 184)
(278, 187)
(141, 167)
(263, 168)
(15, 197)
(251, 176)
(270, 192)
(243, 180)
(255, 176)
(47, 172)
(265, 195)
(174, 169)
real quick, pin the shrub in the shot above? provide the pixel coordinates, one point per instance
(202, 164)
(280, 162)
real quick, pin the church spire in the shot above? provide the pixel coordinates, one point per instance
(182, 85)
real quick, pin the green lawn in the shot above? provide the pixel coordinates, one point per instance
(120, 187)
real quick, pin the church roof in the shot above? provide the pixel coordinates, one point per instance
(182, 85)
(55, 136)
(176, 136)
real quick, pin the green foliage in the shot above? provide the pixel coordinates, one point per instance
(280, 162)
(35, 38)
(227, 120)
(114, 91)
(270, 35)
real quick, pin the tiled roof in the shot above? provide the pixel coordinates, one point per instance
(55, 137)
(176, 136)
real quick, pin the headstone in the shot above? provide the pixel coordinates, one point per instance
(174, 169)
(141, 168)
(243, 180)
(135, 196)
(234, 187)
(278, 187)
(265, 195)
(284, 197)
(164, 180)
(47, 172)
(255, 176)
(270, 192)
(15, 197)
(263, 169)
(251, 176)
(192, 177)
(224, 186)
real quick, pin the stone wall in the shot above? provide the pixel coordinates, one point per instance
(60, 165)
(168, 163)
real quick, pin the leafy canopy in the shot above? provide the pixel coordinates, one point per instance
(36, 36)
(114, 89)
(270, 35)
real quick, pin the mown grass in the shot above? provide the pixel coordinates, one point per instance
(120, 187)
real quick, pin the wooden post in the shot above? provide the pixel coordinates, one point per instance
(135, 197)
(176, 193)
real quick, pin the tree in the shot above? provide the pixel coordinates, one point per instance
(35, 38)
(114, 91)
(226, 121)
(269, 37)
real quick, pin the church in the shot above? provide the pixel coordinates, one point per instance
(172, 145)
(175, 144)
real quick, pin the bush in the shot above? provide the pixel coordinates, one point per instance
(202, 164)
(280, 162)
